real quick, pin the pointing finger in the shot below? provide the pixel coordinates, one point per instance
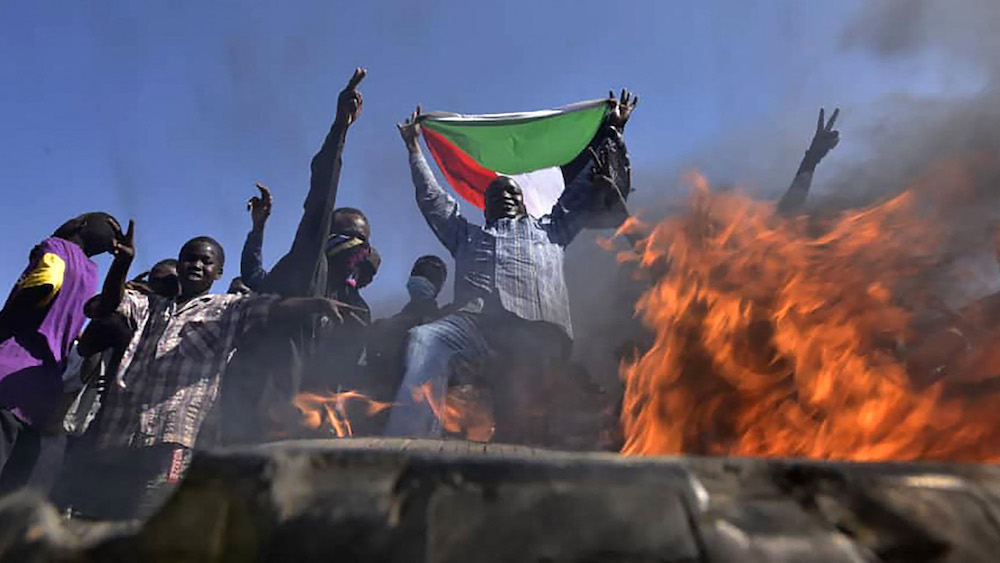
(821, 122)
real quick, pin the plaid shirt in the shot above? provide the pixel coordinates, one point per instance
(169, 376)
(517, 263)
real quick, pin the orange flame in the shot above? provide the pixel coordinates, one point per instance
(461, 411)
(781, 336)
(332, 409)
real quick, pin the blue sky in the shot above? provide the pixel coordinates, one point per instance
(168, 112)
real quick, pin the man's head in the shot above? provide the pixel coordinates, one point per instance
(504, 199)
(95, 232)
(163, 278)
(427, 278)
(199, 265)
(347, 245)
(432, 268)
(350, 221)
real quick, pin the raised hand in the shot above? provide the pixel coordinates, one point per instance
(260, 206)
(826, 137)
(124, 247)
(409, 130)
(604, 181)
(140, 283)
(349, 102)
(332, 309)
(621, 108)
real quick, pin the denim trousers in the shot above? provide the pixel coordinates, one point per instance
(431, 352)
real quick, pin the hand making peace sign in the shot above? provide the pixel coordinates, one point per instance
(826, 136)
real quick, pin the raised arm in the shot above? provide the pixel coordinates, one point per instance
(596, 197)
(825, 139)
(110, 298)
(252, 270)
(325, 178)
(439, 209)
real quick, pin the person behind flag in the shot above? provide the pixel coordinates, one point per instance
(41, 318)
(509, 276)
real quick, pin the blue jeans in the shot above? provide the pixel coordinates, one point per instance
(432, 350)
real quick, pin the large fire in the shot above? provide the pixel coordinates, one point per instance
(779, 336)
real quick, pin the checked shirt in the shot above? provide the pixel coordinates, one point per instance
(516, 263)
(170, 375)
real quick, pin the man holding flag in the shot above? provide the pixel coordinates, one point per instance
(509, 272)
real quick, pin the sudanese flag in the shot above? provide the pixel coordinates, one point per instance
(531, 147)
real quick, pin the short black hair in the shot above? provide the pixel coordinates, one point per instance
(348, 214)
(211, 242)
(165, 262)
(349, 211)
(68, 229)
(432, 268)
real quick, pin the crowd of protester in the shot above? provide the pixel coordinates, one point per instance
(104, 416)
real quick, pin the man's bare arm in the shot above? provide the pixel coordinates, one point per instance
(114, 283)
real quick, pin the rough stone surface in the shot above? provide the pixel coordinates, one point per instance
(455, 501)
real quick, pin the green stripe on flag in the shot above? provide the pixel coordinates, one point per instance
(521, 145)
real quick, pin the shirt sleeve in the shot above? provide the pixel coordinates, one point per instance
(49, 271)
(133, 307)
(249, 311)
(324, 182)
(439, 209)
(252, 270)
(569, 215)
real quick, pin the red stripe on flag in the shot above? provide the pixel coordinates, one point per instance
(465, 175)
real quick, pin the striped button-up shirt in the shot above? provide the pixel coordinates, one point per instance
(169, 376)
(514, 263)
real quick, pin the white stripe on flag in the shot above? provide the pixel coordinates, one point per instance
(541, 189)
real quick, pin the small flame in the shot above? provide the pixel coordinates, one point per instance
(332, 410)
(461, 411)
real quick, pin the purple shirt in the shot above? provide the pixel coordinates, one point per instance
(31, 380)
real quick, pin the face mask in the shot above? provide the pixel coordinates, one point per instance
(336, 244)
(349, 251)
(421, 289)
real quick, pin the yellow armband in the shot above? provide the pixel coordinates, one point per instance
(49, 271)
